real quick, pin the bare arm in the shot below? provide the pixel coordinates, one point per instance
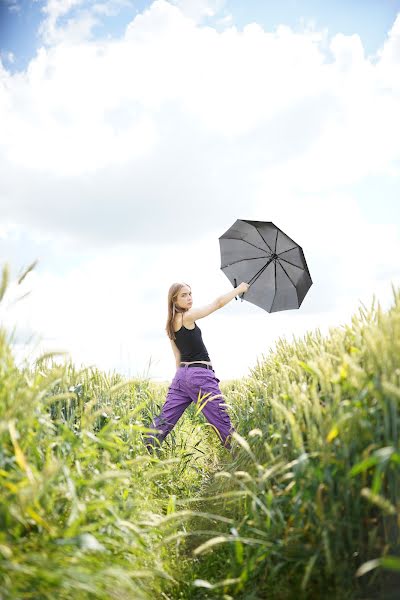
(198, 313)
(176, 353)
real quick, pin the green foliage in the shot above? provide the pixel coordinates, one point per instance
(84, 509)
(316, 470)
(305, 506)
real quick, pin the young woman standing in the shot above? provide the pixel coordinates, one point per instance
(195, 378)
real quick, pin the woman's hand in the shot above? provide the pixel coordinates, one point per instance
(243, 287)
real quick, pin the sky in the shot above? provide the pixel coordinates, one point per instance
(134, 134)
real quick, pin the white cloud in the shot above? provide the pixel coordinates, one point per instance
(348, 51)
(14, 6)
(389, 55)
(200, 9)
(8, 57)
(122, 161)
(191, 105)
(112, 305)
(54, 10)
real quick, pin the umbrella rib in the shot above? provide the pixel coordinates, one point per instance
(293, 284)
(262, 237)
(276, 240)
(243, 259)
(289, 249)
(246, 242)
(260, 272)
(289, 263)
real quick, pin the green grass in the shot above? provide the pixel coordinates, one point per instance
(306, 506)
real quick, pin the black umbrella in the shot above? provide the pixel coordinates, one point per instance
(274, 266)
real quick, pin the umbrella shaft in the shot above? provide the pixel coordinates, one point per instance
(254, 278)
(257, 275)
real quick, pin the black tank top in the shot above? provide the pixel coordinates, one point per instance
(190, 344)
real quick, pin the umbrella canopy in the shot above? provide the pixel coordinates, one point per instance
(260, 254)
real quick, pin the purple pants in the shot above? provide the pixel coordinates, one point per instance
(194, 384)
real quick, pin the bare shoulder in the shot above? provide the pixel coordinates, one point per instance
(188, 322)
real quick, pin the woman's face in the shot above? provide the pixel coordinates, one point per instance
(184, 299)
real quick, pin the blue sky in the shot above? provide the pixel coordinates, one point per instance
(123, 158)
(370, 19)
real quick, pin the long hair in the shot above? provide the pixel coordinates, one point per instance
(172, 309)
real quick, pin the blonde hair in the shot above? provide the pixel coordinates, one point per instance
(172, 309)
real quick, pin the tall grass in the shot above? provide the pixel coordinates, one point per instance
(84, 509)
(318, 470)
(306, 506)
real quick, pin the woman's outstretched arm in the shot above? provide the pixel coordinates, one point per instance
(198, 313)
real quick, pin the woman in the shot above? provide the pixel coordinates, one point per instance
(195, 380)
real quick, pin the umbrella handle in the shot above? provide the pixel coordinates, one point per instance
(241, 295)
